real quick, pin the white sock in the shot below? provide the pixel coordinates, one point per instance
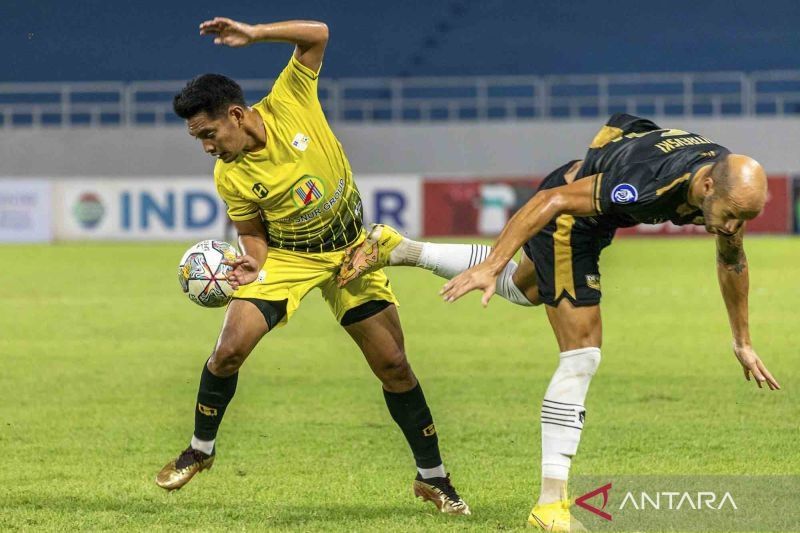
(449, 260)
(437, 471)
(506, 287)
(205, 446)
(563, 412)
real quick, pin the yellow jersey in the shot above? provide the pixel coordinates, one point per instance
(300, 183)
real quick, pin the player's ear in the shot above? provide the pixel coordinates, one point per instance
(708, 185)
(236, 113)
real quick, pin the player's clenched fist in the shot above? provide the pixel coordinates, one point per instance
(228, 32)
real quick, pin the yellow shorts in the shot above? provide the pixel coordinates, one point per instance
(291, 275)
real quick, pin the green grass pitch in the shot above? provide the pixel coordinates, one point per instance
(101, 355)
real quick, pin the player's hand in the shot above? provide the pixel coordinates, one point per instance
(228, 32)
(244, 270)
(480, 277)
(752, 365)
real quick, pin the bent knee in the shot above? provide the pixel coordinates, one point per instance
(394, 371)
(226, 359)
(526, 283)
(396, 366)
(532, 294)
(530, 290)
(578, 339)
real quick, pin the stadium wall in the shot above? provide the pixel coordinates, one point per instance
(472, 149)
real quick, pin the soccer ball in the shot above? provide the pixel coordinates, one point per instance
(202, 274)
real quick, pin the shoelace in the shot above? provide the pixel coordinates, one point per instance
(445, 486)
(188, 457)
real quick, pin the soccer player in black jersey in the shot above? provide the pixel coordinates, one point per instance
(633, 173)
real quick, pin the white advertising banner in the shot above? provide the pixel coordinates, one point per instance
(143, 208)
(25, 210)
(148, 208)
(394, 199)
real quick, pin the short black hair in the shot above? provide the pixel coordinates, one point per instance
(211, 93)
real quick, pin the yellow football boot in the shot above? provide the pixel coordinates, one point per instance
(554, 517)
(181, 470)
(372, 254)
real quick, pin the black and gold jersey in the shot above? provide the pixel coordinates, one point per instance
(642, 173)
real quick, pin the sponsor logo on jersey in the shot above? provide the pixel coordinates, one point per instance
(624, 193)
(307, 191)
(301, 141)
(260, 190)
(321, 208)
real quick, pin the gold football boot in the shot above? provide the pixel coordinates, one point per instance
(441, 492)
(181, 470)
(372, 254)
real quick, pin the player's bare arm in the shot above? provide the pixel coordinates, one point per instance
(572, 199)
(253, 244)
(734, 282)
(309, 37)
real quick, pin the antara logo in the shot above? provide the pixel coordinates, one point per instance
(670, 501)
(674, 501)
(604, 490)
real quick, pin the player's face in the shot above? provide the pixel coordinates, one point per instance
(721, 218)
(222, 136)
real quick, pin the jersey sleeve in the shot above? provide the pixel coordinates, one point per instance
(296, 83)
(238, 207)
(621, 191)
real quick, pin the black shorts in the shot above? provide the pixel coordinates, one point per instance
(566, 253)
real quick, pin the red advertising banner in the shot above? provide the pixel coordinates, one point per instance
(796, 202)
(482, 207)
(471, 206)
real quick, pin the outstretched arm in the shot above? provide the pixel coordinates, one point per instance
(573, 199)
(308, 36)
(734, 282)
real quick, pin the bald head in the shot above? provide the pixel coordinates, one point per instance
(740, 181)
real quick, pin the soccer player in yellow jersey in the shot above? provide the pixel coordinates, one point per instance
(291, 196)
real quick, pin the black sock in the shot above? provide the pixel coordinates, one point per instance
(213, 397)
(411, 413)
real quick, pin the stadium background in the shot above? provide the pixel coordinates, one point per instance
(451, 96)
(450, 112)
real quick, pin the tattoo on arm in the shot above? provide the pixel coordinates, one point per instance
(730, 253)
